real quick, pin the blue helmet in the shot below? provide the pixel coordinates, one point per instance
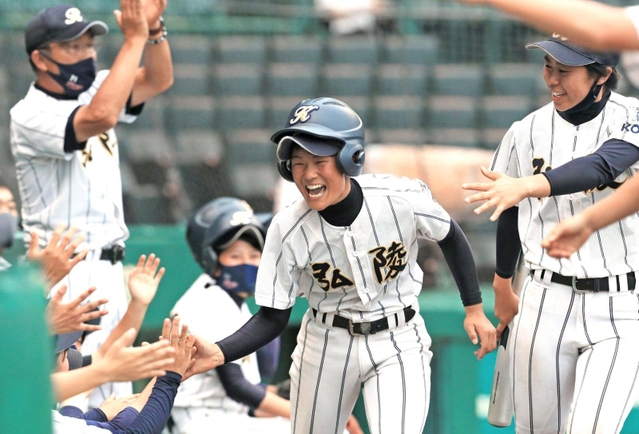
(217, 225)
(322, 126)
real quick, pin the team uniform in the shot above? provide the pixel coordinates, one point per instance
(366, 272)
(80, 188)
(202, 404)
(575, 352)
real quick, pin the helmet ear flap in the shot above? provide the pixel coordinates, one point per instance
(284, 167)
(209, 260)
(350, 159)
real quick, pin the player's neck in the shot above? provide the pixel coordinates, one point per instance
(345, 212)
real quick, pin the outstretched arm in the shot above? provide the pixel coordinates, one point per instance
(568, 236)
(592, 24)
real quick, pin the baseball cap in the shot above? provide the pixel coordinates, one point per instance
(320, 146)
(59, 23)
(251, 231)
(66, 340)
(573, 55)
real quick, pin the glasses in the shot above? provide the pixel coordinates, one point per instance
(74, 48)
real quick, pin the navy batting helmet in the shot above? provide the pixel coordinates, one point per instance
(217, 225)
(322, 126)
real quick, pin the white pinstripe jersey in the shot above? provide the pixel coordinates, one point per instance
(212, 314)
(80, 188)
(543, 140)
(364, 271)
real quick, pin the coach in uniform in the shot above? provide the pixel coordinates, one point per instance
(64, 145)
(350, 247)
(576, 337)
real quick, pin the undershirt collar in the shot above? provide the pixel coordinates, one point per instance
(586, 114)
(345, 212)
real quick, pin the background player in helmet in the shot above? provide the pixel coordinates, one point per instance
(226, 239)
(65, 147)
(350, 248)
(576, 337)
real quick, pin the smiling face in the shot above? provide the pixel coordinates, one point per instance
(319, 179)
(568, 85)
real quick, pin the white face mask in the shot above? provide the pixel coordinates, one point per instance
(8, 228)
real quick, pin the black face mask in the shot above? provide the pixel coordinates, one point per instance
(76, 77)
(587, 109)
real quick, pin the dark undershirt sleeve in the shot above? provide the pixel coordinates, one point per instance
(262, 328)
(238, 388)
(156, 411)
(508, 244)
(71, 143)
(133, 110)
(584, 173)
(459, 258)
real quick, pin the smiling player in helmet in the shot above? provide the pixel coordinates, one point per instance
(350, 247)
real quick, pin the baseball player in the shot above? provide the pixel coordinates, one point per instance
(576, 337)
(8, 222)
(350, 246)
(64, 145)
(226, 239)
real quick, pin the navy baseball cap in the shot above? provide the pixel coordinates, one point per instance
(60, 23)
(570, 54)
(320, 146)
(66, 341)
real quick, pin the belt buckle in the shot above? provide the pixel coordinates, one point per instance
(365, 328)
(118, 253)
(577, 290)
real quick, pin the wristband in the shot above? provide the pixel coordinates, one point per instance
(153, 32)
(162, 38)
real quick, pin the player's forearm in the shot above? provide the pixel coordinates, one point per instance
(71, 383)
(620, 204)
(105, 107)
(275, 405)
(596, 25)
(133, 318)
(157, 74)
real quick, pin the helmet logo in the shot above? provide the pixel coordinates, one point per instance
(303, 114)
(241, 218)
(73, 15)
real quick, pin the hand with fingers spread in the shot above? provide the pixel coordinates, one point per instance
(57, 258)
(69, 317)
(145, 279)
(480, 330)
(182, 342)
(504, 192)
(120, 363)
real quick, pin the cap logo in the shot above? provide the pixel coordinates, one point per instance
(558, 36)
(303, 114)
(241, 218)
(73, 15)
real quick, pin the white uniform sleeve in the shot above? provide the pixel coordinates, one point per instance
(505, 157)
(280, 268)
(431, 219)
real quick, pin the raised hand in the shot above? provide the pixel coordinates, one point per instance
(125, 363)
(70, 317)
(153, 10)
(145, 279)
(182, 342)
(57, 258)
(132, 20)
(501, 193)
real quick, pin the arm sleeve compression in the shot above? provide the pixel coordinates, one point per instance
(262, 328)
(584, 173)
(459, 258)
(508, 244)
(238, 388)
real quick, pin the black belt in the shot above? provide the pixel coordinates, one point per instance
(595, 284)
(366, 328)
(114, 254)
